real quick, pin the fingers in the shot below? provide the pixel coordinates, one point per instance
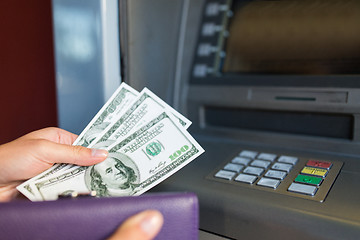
(142, 226)
(52, 134)
(54, 146)
(78, 155)
(8, 193)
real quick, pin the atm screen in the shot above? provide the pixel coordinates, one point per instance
(293, 37)
(297, 37)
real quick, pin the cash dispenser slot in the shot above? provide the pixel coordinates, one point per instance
(312, 96)
(290, 122)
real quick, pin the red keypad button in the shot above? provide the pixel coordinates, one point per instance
(319, 164)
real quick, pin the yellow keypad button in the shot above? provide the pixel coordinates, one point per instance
(314, 171)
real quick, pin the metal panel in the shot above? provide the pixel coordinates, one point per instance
(151, 44)
(87, 58)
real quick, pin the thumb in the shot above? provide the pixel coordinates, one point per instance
(142, 226)
(78, 155)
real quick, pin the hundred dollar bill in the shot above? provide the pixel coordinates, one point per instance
(145, 108)
(134, 165)
(116, 105)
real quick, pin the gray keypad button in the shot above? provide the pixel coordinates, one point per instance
(233, 167)
(282, 166)
(246, 178)
(241, 160)
(254, 170)
(248, 154)
(260, 163)
(276, 174)
(225, 174)
(268, 182)
(288, 159)
(267, 156)
(302, 188)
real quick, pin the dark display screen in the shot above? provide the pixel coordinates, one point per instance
(306, 37)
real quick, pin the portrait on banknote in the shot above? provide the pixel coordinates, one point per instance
(118, 175)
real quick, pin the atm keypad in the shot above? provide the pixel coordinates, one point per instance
(290, 175)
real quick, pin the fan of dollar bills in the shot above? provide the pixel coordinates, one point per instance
(147, 142)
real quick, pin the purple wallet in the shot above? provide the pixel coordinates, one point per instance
(97, 218)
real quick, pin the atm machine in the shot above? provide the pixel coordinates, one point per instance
(273, 92)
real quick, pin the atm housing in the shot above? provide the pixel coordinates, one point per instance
(304, 106)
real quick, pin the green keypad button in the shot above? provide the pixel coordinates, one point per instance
(308, 179)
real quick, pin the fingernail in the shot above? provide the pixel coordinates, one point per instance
(152, 223)
(99, 153)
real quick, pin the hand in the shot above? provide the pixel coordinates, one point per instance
(37, 151)
(142, 226)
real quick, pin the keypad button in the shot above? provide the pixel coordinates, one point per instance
(241, 160)
(320, 164)
(288, 159)
(282, 166)
(225, 174)
(308, 179)
(248, 154)
(233, 167)
(246, 178)
(276, 174)
(268, 182)
(260, 163)
(254, 170)
(267, 156)
(302, 188)
(314, 171)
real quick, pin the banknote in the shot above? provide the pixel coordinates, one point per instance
(117, 104)
(145, 108)
(135, 164)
